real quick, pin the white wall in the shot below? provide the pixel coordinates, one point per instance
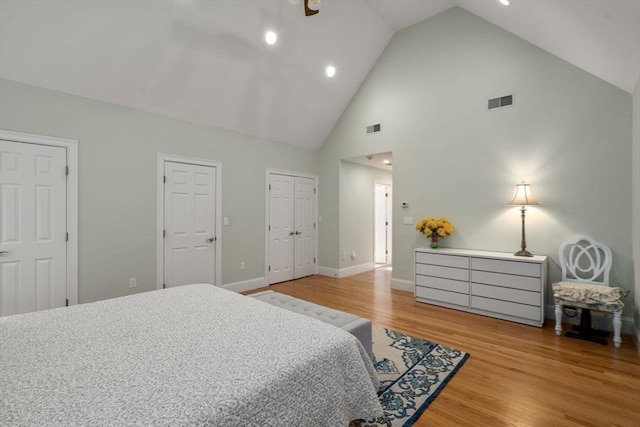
(568, 134)
(118, 149)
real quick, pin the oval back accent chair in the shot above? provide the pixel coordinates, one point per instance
(585, 266)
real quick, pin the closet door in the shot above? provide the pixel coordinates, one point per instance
(281, 227)
(305, 227)
(292, 227)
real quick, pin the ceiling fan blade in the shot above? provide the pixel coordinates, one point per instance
(315, 7)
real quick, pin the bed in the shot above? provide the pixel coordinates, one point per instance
(191, 355)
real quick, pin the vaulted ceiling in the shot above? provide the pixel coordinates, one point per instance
(206, 61)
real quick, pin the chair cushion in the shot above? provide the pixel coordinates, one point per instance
(587, 293)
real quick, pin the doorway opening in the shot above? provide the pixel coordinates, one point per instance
(365, 211)
(39, 243)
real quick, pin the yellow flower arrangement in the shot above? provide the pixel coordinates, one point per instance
(434, 228)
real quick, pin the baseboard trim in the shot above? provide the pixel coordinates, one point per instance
(246, 285)
(636, 337)
(356, 269)
(602, 321)
(402, 285)
(327, 271)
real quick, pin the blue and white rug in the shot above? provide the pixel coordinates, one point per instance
(412, 373)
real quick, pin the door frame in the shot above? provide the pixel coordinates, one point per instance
(71, 147)
(267, 210)
(162, 158)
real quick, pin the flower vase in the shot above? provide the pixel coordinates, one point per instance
(434, 242)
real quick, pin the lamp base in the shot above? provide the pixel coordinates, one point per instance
(523, 252)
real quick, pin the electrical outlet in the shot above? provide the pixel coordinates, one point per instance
(344, 255)
(353, 255)
(242, 265)
(132, 282)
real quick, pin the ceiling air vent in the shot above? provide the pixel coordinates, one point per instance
(373, 128)
(502, 101)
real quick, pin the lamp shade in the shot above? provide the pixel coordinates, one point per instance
(522, 196)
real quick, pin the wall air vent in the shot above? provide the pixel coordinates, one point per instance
(502, 101)
(373, 128)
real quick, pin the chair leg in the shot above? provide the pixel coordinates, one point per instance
(617, 325)
(558, 319)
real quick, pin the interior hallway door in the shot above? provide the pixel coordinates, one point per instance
(292, 227)
(189, 224)
(33, 227)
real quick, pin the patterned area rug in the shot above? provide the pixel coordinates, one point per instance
(412, 373)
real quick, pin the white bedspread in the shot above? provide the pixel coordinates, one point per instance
(192, 355)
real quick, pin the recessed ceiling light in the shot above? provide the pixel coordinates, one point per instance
(331, 71)
(270, 37)
(386, 162)
(313, 4)
(504, 2)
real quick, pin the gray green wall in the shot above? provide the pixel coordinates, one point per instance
(118, 150)
(568, 134)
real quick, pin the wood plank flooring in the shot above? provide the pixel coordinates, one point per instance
(516, 375)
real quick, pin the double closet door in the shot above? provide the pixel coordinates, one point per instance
(292, 227)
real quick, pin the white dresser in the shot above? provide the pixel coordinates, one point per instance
(495, 284)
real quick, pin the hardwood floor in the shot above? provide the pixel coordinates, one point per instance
(516, 375)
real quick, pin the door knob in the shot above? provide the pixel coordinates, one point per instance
(291, 233)
(4, 252)
(298, 232)
(211, 239)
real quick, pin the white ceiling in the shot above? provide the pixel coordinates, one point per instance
(382, 161)
(205, 61)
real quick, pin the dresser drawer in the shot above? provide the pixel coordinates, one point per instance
(506, 280)
(444, 272)
(442, 296)
(508, 308)
(505, 294)
(508, 267)
(444, 284)
(444, 260)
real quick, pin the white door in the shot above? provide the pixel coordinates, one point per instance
(292, 227)
(382, 223)
(189, 224)
(281, 228)
(305, 227)
(33, 249)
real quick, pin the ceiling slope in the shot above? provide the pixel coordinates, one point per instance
(206, 61)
